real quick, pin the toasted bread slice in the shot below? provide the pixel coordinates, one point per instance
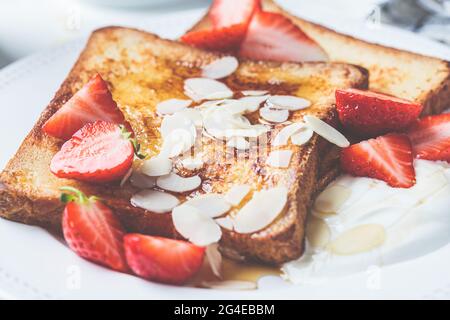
(400, 73)
(143, 70)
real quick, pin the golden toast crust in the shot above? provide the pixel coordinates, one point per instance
(130, 59)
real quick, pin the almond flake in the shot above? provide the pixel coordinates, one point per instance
(175, 183)
(245, 104)
(172, 105)
(291, 103)
(220, 68)
(360, 239)
(302, 137)
(261, 210)
(192, 163)
(279, 158)
(274, 115)
(326, 131)
(282, 138)
(238, 143)
(177, 142)
(236, 285)
(212, 205)
(198, 228)
(206, 89)
(154, 201)
(225, 222)
(214, 258)
(177, 121)
(142, 181)
(236, 194)
(332, 199)
(157, 166)
(254, 93)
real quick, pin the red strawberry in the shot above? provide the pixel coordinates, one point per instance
(430, 137)
(98, 152)
(92, 230)
(370, 114)
(226, 39)
(271, 36)
(445, 155)
(226, 13)
(92, 102)
(162, 260)
(388, 158)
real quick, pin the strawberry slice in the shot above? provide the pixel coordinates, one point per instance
(92, 230)
(430, 137)
(162, 260)
(370, 114)
(388, 158)
(92, 102)
(226, 39)
(98, 152)
(271, 36)
(226, 13)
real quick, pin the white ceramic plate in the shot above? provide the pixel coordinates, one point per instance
(33, 264)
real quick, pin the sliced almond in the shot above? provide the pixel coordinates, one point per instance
(254, 93)
(261, 210)
(172, 105)
(154, 201)
(282, 138)
(317, 232)
(274, 115)
(192, 163)
(326, 131)
(291, 103)
(193, 114)
(238, 143)
(206, 89)
(279, 158)
(230, 285)
(177, 142)
(332, 199)
(225, 222)
(302, 137)
(214, 258)
(246, 104)
(177, 121)
(237, 193)
(175, 183)
(157, 166)
(198, 228)
(142, 181)
(360, 239)
(212, 205)
(220, 68)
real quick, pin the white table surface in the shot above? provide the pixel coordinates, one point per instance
(27, 26)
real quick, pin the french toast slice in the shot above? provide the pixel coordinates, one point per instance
(400, 73)
(142, 70)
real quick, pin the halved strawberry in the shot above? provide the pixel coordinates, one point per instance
(98, 152)
(92, 102)
(370, 114)
(226, 39)
(430, 136)
(388, 158)
(226, 13)
(271, 36)
(162, 260)
(92, 230)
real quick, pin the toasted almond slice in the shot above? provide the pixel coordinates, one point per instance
(177, 121)
(317, 232)
(302, 137)
(274, 115)
(326, 131)
(213, 205)
(177, 142)
(332, 199)
(261, 210)
(154, 201)
(214, 258)
(198, 228)
(172, 105)
(192, 163)
(193, 114)
(206, 89)
(142, 181)
(157, 166)
(175, 183)
(360, 239)
(245, 104)
(225, 222)
(235, 285)
(291, 103)
(237, 193)
(279, 158)
(238, 143)
(254, 93)
(282, 138)
(220, 68)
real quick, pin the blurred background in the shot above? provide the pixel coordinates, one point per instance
(27, 26)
